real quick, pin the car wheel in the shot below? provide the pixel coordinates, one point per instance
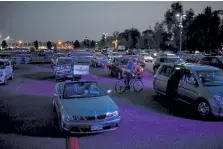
(60, 124)
(11, 77)
(111, 73)
(203, 109)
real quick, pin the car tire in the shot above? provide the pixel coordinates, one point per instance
(203, 109)
(11, 77)
(111, 73)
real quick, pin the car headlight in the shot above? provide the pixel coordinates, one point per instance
(218, 99)
(112, 114)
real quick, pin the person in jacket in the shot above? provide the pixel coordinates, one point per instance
(173, 82)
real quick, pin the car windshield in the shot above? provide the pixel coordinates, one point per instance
(173, 60)
(211, 78)
(2, 65)
(83, 90)
(124, 61)
(65, 61)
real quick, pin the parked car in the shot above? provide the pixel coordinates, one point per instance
(56, 56)
(119, 66)
(194, 58)
(84, 107)
(105, 52)
(9, 57)
(24, 58)
(216, 61)
(166, 59)
(130, 52)
(113, 55)
(146, 57)
(97, 50)
(100, 61)
(6, 71)
(64, 69)
(200, 85)
(41, 53)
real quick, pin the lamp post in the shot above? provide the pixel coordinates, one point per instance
(105, 36)
(181, 17)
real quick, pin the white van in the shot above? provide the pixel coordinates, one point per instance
(6, 71)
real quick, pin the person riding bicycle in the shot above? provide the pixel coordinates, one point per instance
(129, 72)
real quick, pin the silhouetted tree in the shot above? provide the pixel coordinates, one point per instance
(204, 33)
(93, 43)
(49, 45)
(134, 35)
(36, 44)
(76, 44)
(115, 34)
(4, 44)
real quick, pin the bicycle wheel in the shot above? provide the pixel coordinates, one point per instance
(120, 87)
(138, 86)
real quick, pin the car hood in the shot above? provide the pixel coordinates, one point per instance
(216, 90)
(89, 106)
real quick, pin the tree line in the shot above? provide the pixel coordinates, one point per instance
(76, 44)
(203, 32)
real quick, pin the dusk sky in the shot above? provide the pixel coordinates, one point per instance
(45, 21)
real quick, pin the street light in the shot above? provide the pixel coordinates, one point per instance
(105, 35)
(181, 17)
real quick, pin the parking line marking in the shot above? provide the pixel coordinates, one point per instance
(19, 85)
(72, 143)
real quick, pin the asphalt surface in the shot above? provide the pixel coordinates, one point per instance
(148, 122)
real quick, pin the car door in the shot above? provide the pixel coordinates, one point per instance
(188, 89)
(162, 78)
(7, 69)
(58, 95)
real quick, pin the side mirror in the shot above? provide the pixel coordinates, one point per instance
(109, 91)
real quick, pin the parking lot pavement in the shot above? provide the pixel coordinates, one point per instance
(28, 122)
(147, 121)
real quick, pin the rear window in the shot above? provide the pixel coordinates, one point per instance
(165, 70)
(65, 61)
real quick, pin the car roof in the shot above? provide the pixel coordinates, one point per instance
(195, 67)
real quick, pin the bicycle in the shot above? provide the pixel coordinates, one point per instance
(121, 85)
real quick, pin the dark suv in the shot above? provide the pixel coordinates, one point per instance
(216, 61)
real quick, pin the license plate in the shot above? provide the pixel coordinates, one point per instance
(96, 127)
(70, 76)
